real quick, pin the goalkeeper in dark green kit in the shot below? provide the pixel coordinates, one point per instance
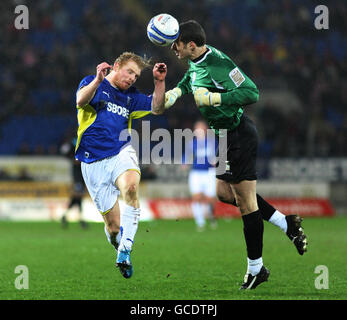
(221, 91)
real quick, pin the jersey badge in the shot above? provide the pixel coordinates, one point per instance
(236, 76)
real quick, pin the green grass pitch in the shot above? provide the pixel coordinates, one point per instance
(171, 262)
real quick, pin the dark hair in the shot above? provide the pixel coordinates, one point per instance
(192, 31)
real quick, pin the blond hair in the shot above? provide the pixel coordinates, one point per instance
(142, 62)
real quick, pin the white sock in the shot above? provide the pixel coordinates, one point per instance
(206, 210)
(279, 219)
(112, 241)
(129, 221)
(198, 212)
(254, 266)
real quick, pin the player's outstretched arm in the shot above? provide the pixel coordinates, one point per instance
(158, 102)
(204, 98)
(85, 94)
(241, 96)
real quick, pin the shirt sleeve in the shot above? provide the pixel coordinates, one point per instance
(240, 90)
(240, 96)
(184, 84)
(85, 81)
(141, 105)
(97, 102)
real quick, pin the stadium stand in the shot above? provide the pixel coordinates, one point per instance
(273, 41)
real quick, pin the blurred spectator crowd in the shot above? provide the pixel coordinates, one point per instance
(274, 42)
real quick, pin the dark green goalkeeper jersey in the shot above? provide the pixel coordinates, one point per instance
(216, 72)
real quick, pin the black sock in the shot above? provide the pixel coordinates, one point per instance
(266, 209)
(253, 228)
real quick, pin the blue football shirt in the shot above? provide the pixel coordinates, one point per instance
(201, 152)
(101, 122)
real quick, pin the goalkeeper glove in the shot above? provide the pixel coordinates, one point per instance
(171, 96)
(204, 98)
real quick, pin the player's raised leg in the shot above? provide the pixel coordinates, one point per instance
(128, 184)
(289, 224)
(112, 226)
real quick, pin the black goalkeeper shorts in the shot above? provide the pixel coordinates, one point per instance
(242, 146)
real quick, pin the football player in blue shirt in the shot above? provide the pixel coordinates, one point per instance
(106, 105)
(202, 175)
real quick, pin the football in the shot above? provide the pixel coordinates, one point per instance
(163, 29)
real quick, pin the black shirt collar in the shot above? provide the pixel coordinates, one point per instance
(199, 58)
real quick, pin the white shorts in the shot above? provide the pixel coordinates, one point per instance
(203, 181)
(100, 177)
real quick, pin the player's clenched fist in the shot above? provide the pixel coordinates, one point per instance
(159, 71)
(101, 71)
(205, 98)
